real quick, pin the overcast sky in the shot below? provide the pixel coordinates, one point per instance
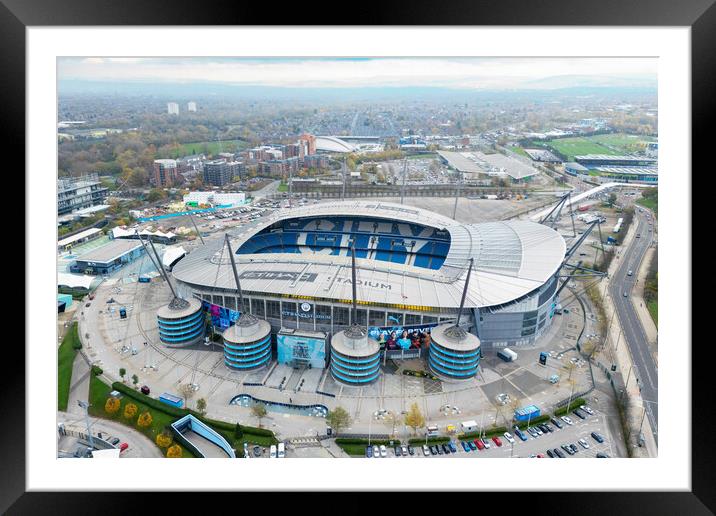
(463, 73)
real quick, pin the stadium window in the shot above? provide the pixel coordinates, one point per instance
(429, 319)
(273, 309)
(377, 318)
(361, 317)
(206, 297)
(288, 314)
(230, 302)
(257, 307)
(323, 312)
(412, 319)
(340, 316)
(218, 300)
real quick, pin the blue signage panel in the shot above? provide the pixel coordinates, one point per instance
(305, 350)
(221, 318)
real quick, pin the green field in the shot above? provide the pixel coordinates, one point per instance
(65, 358)
(209, 148)
(614, 144)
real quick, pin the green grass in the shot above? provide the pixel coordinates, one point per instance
(653, 307)
(65, 358)
(208, 147)
(98, 394)
(650, 203)
(520, 151)
(283, 187)
(571, 147)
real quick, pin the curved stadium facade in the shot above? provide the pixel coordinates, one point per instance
(295, 270)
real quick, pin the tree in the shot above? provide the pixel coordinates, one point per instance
(111, 406)
(144, 420)
(414, 418)
(135, 380)
(201, 405)
(164, 440)
(338, 419)
(174, 452)
(187, 390)
(130, 410)
(238, 432)
(122, 372)
(259, 412)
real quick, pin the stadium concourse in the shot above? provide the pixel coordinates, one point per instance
(295, 271)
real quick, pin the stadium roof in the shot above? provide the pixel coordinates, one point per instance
(333, 144)
(512, 258)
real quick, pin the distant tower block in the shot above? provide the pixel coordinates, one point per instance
(181, 323)
(172, 108)
(247, 344)
(191, 106)
(355, 357)
(454, 354)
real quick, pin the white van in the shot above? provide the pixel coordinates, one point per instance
(272, 454)
(281, 450)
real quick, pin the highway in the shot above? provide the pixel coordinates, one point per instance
(645, 370)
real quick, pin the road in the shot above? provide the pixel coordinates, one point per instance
(645, 369)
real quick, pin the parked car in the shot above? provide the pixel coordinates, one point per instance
(426, 450)
(546, 428)
(114, 441)
(145, 390)
(573, 447)
(583, 443)
(597, 437)
(509, 437)
(257, 451)
(556, 423)
(532, 431)
(465, 446)
(446, 449)
(568, 449)
(558, 453)
(537, 429)
(579, 414)
(411, 450)
(439, 448)
(486, 442)
(567, 420)
(123, 447)
(519, 433)
(404, 449)
(452, 447)
(272, 452)
(602, 455)
(480, 445)
(398, 452)
(551, 454)
(472, 445)
(587, 410)
(369, 452)
(497, 441)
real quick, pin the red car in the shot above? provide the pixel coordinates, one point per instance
(480, 445)
(123, 447)
(497, 441)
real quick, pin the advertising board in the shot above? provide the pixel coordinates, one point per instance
(297, 349)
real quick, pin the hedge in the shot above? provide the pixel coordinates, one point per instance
(352, 441)
(431, 440)
(490, 432)
(574, 404)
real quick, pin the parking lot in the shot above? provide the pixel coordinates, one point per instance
(568, 434)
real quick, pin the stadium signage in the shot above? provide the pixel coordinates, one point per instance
(374, 284)
(281, 276)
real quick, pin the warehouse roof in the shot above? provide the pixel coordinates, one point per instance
(110, 251)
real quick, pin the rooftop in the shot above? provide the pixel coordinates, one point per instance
(110, 252)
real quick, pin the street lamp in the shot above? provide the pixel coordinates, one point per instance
(85, 405)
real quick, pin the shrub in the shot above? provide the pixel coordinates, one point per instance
(238, 433)
(144, 420)
(111, 406)
(130, 410)
(174, 452)
(97, 370)
(164, 440)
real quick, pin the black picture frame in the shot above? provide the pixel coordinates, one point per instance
(699, 15)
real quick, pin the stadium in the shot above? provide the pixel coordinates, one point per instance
(295, 271)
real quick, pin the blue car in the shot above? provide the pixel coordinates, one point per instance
(369, 451)
(520, 434)
(472, 445)
(465, 446)
(452, 447)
